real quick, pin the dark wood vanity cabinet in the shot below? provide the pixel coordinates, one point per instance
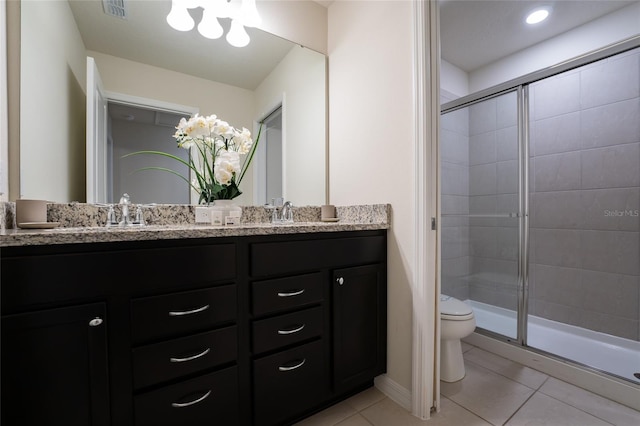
(359, 325)
(330, 338)
(261, 330)
(54, 367)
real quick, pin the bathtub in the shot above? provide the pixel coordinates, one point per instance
(614, 355)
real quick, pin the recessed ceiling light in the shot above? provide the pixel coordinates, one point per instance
(537, 16)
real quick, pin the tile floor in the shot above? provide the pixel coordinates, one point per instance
(495, 391)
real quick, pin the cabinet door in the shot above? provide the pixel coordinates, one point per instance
(359, 326)
(54, 367)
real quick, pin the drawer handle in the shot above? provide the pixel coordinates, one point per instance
(191, 358)
(195, 401)
(291, 331)
(291, 293)
(293, 367)
(192, 311)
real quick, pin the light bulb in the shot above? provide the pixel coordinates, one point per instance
(209, 27)
(237, 36)
(179, 17)
(221, 8)
(249, 14)
(537, 16)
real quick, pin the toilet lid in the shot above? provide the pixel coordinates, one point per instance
(453, 307)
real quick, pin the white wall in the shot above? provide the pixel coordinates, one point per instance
(52, 128)
(453, 79)
(619, 25)
(301, 21)
(295, 80)
(371, 151)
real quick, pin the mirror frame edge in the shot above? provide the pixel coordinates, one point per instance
(13, 11)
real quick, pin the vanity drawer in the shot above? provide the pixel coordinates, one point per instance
(287, 257)
(285, 293)
(289, 383)
(174, 358)
(283, 330)
(181, 313)
(205, 400)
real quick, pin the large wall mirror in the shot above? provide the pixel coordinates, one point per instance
(151, 74)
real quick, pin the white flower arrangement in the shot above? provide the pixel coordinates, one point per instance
(218, 147)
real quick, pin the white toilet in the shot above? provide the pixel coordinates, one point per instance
(457, 322)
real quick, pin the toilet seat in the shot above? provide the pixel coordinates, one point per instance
(453, 309)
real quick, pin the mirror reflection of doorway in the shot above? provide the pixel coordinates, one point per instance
(270, 147)
(133, 128)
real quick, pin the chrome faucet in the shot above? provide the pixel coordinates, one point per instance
(286, 213)
(282, 212)
(125, 201)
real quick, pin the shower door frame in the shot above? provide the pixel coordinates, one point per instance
(520, 85)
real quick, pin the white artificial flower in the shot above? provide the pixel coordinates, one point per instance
(243, 141)
(223, 176)
(223, 129)
(211, 121)
(181, 126)
(199, 126)
(219, 144)
(226, 164)
(186, 143)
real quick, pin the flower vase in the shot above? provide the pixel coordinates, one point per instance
(225, 212)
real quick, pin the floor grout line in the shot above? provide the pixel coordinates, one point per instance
(520, 407)
(505, 376)
(578, 408)
(468, 410)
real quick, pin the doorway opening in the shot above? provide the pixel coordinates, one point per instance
(270, 155)
(132, 128)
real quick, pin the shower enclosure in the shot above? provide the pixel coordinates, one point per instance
(540, 210)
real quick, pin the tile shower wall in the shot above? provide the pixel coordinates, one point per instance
(585, 197)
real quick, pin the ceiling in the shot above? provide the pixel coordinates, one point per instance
(144, 36)
(475, 33)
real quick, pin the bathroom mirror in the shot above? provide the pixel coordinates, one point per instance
(134, 55)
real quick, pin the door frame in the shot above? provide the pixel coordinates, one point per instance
(425, 386)
(147, 103)
(260, 166)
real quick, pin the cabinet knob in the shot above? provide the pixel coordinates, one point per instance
(95, 322)
(340, 280)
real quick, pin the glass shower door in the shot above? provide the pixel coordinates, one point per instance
(480, 210)
(584, 281)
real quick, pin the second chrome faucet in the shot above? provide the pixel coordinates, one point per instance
(125, 202)
(282, 213)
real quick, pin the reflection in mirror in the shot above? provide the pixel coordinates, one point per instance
(269, 182)
(139, 129)
(141, 57)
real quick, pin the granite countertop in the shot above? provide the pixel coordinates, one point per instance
(172, 223)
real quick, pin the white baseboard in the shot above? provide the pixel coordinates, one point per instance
(398, 394)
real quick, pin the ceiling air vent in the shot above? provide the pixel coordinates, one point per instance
(115, 8)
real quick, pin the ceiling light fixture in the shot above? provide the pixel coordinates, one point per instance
(537, 16)
(243, 13)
